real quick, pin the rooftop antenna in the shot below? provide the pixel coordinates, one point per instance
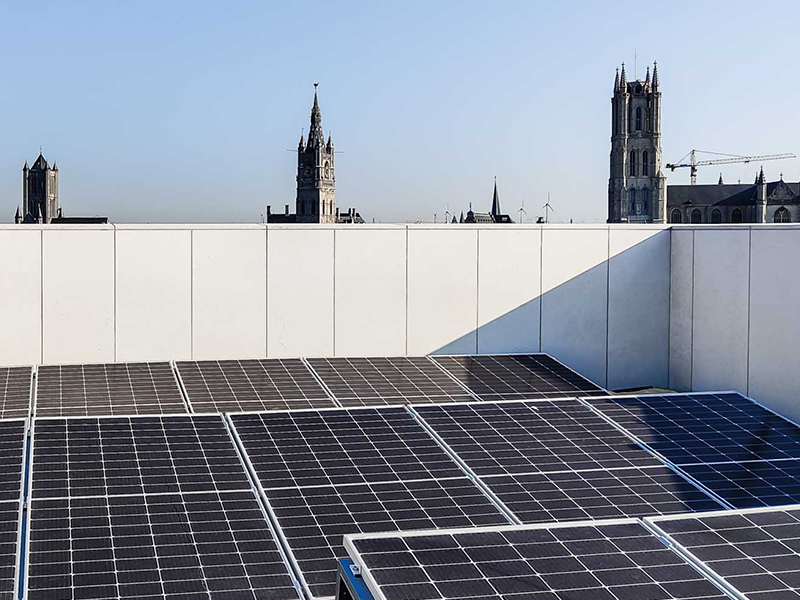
(547, 208)
(522, 211)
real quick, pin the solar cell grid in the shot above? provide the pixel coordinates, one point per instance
(132, 455)
(12, 455)
(517, 376)
(210, 546)
(314, 519)
(15, 392)
(531, 437)
(332, 447)
(609, 561)
(9, 545)
(603, 494)
(385, 381)
(757, 552)
(107, 389)
(251, 385)
(703, 428)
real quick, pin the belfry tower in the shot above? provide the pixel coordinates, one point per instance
(637, 187)
(316, 178)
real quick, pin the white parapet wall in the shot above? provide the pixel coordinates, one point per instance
(596, 297)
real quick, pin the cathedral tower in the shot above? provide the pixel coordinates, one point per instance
(39, 192)
(316, 179)
(637, 188)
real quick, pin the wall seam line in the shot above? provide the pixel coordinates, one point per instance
(334, 294)
(266, 291)
(749, 302)
(477, 289)
(191, 293)
(114, 254)
(406, 336)
(608, 296)
(669, 310)
(41, 296)
(691, 322)
(541, 285)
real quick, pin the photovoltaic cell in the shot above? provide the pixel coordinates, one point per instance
(134, 455)
(517, 376)
(704, 428)
(602, 494)
(107, 389)
(251, 385)
(12, 455)
(531, 437)
(15, 392)
(314, 519)
(757, 552)
(612, 561)
(333, 447)
(194, 546)
(383, 381)
(9, 544)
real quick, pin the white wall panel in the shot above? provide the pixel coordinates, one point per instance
(442, 290)
(721, 279)
(508, 290)
(154, 294)
(370, 292)
(638, 307)
(78, 295)
(229, 279)
(300, 288)
(574, 298)
(681, 299)
(775, 320)
(20, 296)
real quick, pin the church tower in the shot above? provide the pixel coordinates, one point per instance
(637, 187)
(39, 192)
(316, 179)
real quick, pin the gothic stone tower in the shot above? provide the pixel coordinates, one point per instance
(637, 188)
(39, 192)
(316, 179)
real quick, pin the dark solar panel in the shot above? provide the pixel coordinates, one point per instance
(251, 385)
(314, 519)
(756, 552)
(12, 455)
(382, 381)
(619, 561)
(9, 548)
(133, 455)
(183, 546)
(531, 437)
(704, 428)
(517, 376)
(107, 389)
(332, 447)
(751, 484)
(605, 494)
(15, 392)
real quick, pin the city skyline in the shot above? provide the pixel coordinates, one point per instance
(188, 116)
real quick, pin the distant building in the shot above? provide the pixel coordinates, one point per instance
(637, 188)
(494, 216)
(760, 202)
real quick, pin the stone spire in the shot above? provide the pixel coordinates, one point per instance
(655, 74)
(315, 135)
(623, 82)
(761, 176)
(720, 179)
(616, 81)
(495, 200)
(647, 77)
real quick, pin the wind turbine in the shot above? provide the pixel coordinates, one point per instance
(522, 211)
(547, 208)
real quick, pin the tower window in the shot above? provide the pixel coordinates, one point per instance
(676, 217)
(632, 201)
(782, 216)
(645, 201)
(697, 216)
(638, 118)
(736, 216)
(716, 216)
(632, 164)
(645, 160)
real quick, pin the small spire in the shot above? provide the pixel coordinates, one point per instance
(647, 77)
(655, 74)
(55, 166)
(720, 179)
(781, 176)
(623, 81)
(761, 176)
(26, 168)
(616, 80)
(495, 200)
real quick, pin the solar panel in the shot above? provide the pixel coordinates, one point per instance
(314, 519)
(385, 381)
(251, 385)
(601, 494)
(616, 560)
(188, 546)
(703, 428)
(133, 455)
(12, 455)
(757, 552)
(107, 389)
(15, 392)
(531, 437)
(340, 446)
(517, 376)
(9, 548)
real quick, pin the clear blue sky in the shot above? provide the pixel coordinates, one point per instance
(163, 111)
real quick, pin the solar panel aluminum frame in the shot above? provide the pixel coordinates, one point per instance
(182, 388)
(375, 589)
(652, 523)
(324, 386)
(603, 389)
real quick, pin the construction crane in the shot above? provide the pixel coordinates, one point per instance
(729, 159)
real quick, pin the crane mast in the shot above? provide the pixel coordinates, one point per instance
(693, 163)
